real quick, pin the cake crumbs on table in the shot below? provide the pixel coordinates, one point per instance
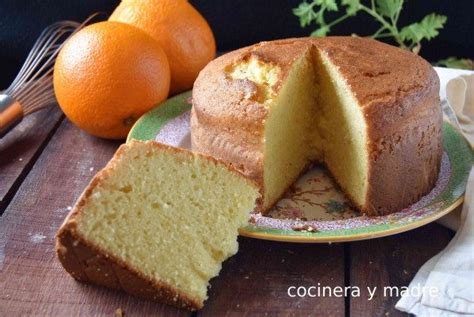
(304, 228)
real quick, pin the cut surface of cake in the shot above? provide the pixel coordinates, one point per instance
(157, 222)
(368, 111)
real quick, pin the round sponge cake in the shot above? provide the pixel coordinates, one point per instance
(369, 111)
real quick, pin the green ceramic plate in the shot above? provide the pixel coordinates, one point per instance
(313, 209)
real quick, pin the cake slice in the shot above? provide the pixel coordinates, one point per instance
(156, 222)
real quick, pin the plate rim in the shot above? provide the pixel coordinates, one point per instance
(141, 131)
(312, 238)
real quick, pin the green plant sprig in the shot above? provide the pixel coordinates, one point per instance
(385, 12)
(455, 62)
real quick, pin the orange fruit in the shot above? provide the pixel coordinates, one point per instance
(180, 29)
(107, 75)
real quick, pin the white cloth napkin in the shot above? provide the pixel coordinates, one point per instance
(447, 280)
(460, 97)
(455, 88)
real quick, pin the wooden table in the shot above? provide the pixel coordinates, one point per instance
(46, 162)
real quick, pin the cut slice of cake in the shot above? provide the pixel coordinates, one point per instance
(156, 222)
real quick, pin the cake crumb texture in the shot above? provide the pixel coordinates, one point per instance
(157, 222)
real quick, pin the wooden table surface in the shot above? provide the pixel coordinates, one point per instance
(46, 162)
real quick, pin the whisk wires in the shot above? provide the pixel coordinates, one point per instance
(33, 86)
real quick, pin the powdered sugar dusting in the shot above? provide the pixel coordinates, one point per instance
(176, 131)
(37, 237)
(420, 209)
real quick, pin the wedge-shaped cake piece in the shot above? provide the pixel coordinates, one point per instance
(156, 222)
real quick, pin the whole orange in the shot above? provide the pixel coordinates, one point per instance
(107, 75)
(180, 29)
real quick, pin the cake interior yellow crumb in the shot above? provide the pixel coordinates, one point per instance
(171, 215)
(343, 131)
(286, 131)
(312, 117)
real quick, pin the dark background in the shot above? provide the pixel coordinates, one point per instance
(235, 23)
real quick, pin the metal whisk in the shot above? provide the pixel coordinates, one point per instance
(32, 88)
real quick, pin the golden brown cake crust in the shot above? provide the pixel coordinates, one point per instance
(396, 90)
(399, 95)
(89, 263)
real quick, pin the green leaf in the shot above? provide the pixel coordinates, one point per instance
(455, 62)
(319, 18)
(410, 33)
(330, 5)
(432, 23)
(322, 31)
(389, 8)
(305, 13)
(352, 6)
(426, 29)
